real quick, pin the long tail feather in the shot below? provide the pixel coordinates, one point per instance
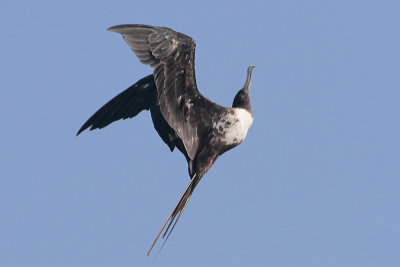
(180, 213)
(178, 209)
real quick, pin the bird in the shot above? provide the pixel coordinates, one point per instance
(199, 128)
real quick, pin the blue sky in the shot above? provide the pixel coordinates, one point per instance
(316, 182)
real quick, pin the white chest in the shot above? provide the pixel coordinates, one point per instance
(234, 125)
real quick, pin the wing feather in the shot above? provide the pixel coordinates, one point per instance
(171, 55)
(127, 104)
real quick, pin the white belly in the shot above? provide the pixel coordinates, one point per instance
(234, 125)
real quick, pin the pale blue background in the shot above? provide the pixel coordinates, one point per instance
(316, 182)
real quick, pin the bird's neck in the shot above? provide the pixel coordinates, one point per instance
(245, 106)
(242, 101)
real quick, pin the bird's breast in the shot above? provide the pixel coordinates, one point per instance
(233, 125)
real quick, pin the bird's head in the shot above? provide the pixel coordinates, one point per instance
(242, 98)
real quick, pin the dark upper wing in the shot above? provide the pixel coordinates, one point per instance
(171, 55)
(127, 104)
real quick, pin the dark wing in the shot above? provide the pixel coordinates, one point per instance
(171, 55)
(140, 96)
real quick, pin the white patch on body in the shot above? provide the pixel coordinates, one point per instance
(234, 126)
(145, 85)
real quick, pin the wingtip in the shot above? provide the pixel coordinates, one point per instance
(84, 127)
(114, 28)
(123, 27)
(80, 130)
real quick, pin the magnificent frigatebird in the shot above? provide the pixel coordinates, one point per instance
(201, 129)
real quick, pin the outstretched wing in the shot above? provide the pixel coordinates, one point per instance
(171, 55)
(138, 97)
(127, 104)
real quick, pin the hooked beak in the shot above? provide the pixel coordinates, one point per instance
(248, 79)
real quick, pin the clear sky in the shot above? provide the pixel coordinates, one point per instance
(316, 182)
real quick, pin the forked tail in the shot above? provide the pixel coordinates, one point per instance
(177, 211)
